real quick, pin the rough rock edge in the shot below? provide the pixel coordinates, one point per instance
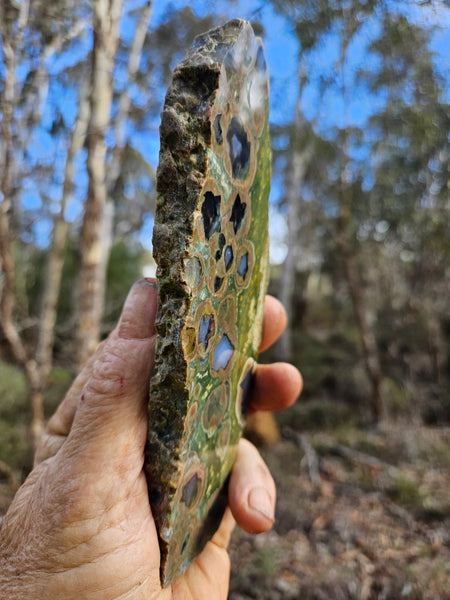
(185, 140)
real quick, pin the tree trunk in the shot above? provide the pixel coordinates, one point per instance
(36, 403)
(55, 262)
(91, 294)
(368, 340)
(290, 266)
(11, 40)
(343, 238)
(114, 167)
(124, 97)
(357, 296)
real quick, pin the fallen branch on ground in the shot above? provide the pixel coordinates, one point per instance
(367, 460)
(311, 456)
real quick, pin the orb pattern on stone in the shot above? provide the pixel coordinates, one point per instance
(210, 243)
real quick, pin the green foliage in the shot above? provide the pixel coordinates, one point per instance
(60, 380)
(267, 560)
(71, 267)
(377, 174)
(439, 454)
(15, 411)
(378, 186)
(13, 393)
(396, 399)
(124, 268)
(14, 449)
(406, 492)
(14, 417)
(371, 125)
(320, 414)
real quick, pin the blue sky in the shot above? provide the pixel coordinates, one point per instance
(282, 50)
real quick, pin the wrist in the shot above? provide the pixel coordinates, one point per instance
(15, 577)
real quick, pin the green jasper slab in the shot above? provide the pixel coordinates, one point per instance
(211, 243)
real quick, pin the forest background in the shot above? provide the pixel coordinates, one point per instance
(360, 248)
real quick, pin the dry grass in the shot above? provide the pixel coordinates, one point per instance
(369, 529)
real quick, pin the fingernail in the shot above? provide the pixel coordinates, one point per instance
(138, 315)
(260, 500)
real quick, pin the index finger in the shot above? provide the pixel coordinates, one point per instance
(274, 322)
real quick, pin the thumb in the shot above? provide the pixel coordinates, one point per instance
(110, 422)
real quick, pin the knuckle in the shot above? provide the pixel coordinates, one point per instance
(108, 376)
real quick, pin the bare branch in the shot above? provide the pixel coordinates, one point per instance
(55, 262)
(362, 458)
(38, 90)
(312, 459)
(23, 15)
(7, 297)
(124, 98)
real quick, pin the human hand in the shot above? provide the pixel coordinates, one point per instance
(81, 527)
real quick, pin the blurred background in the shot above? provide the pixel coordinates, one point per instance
(360, 248)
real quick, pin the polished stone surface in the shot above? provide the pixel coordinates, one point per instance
(211, 244)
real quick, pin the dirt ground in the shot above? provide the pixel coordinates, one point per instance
(361, 515)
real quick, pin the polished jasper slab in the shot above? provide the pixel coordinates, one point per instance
(210, 242)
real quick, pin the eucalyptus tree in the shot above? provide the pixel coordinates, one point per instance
(54, 105)
(126, 103)
(31, 35)
(378, 103)
(106, 31)
(410, 193)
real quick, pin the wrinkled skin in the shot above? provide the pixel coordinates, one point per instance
(81, 525)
